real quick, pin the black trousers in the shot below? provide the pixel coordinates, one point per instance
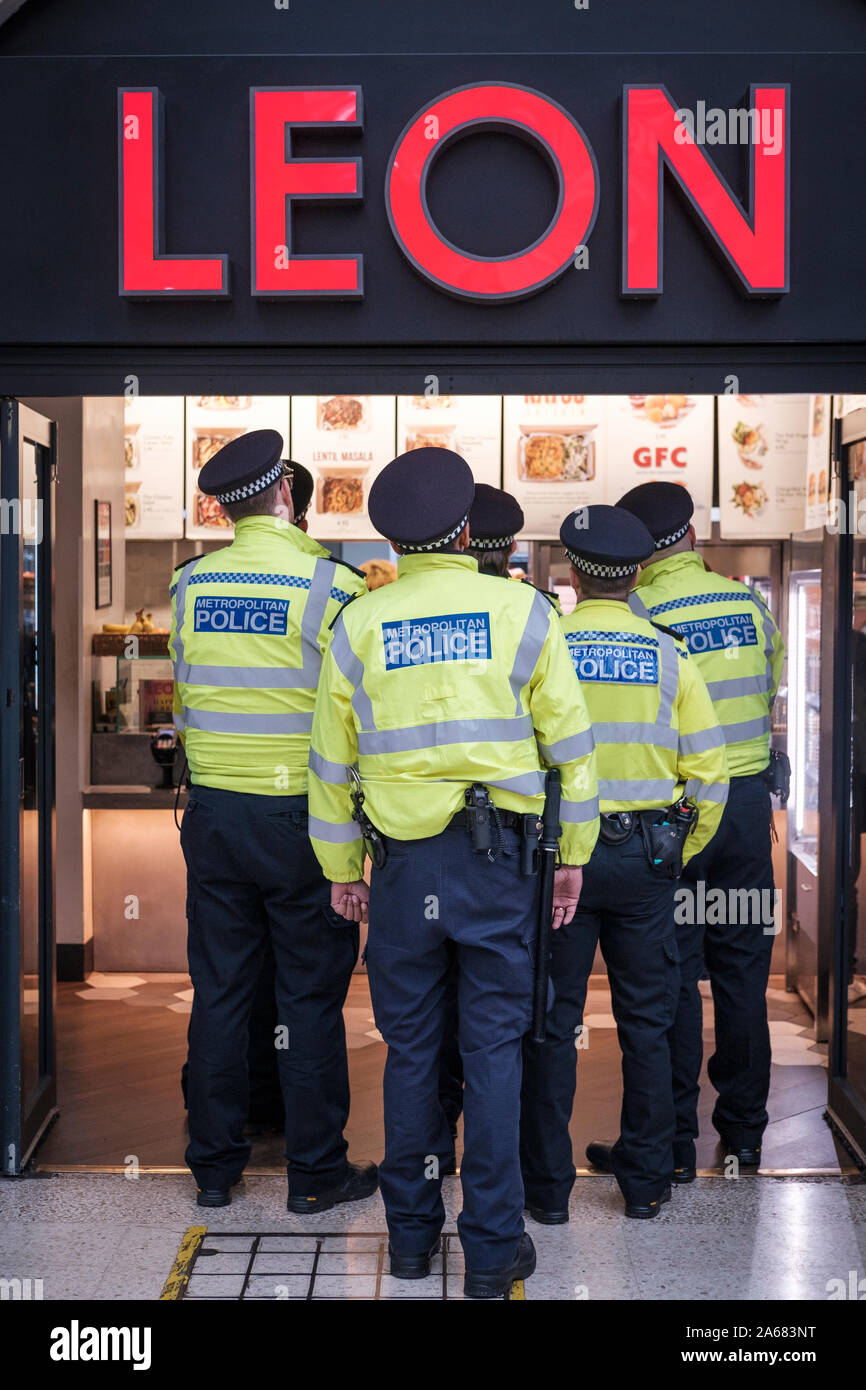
(266, 1096)
(629, 909)
(733, 934)
(252, 878)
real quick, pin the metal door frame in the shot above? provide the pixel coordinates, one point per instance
(845, 1107)
(24, 1119)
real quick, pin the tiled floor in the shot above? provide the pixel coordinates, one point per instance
(122, 1040)
(755, 1238)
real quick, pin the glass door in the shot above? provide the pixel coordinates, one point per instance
(27, 974)
(847, 1092)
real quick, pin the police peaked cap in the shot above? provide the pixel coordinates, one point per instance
(666, 510)
(302, 487)
(495, 518)
(243, 467)
(605, 541)
(421, 500)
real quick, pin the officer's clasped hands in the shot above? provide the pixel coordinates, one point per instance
(351, 900)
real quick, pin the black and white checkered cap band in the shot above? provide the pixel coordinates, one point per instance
(436, 545)
(602, 571)
(489, 542)
(664, 541)
(238, 494)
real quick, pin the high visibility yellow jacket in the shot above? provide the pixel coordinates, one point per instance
(656, 734)
(249, 625)
(731, 635)
(445, 678)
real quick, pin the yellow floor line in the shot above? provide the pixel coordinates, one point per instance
(187, 1250)
(518, 1292)
(156, 1170)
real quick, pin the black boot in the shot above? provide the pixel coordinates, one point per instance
(412, 1266)
(359, 1181)
(495, 1283)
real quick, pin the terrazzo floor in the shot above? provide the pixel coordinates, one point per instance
(112, 1238)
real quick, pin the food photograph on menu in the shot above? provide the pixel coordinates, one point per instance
(344, 440)
(211, 423)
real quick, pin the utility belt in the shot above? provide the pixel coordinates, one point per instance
(663, 832)
(483, 821)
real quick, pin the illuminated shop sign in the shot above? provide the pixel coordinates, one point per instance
(752, 239)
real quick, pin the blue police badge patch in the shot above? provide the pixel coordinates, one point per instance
(448, 637)
(263, 617)
(715, 634)
(618, 663)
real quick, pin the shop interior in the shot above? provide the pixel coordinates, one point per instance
(763, 470)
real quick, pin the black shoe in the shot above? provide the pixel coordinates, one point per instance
(645, 1211)
(598, 1155)
(412, 1266)
(361, 1181)
(215, 1196)
(680, 1176)
(494, 1283)
(545, 1217)
(746, 1157)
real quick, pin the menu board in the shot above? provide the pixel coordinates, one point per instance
(818, 484)
(554, 457)
(469, 425)
(763, 444)
(211, 421)
(662, 438)
(153, 467)
(344, 441)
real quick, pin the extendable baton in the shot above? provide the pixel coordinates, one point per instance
(548, 848)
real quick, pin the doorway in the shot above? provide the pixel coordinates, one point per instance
(27, 972)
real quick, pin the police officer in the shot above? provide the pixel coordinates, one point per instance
(656, 738)
(737, 648)
(495, 519)
(444, 684)
(249, 623)
(266, 1098)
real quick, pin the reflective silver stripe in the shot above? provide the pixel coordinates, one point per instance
(530, 647)
(669, 682)
(246, 677)
(314, 615)
(232, 722)
(446, 732)
(326, 771)
(526, 784)
(637, 605)
(633, 789)
(179, 607)
(733, 687)
(177, 720)
(343, 834)
(578, 812)
(769, 629)
(749, 728)
(565, 750)
(624, 732)
(701, 741)
(351, 667)
(706, 791)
